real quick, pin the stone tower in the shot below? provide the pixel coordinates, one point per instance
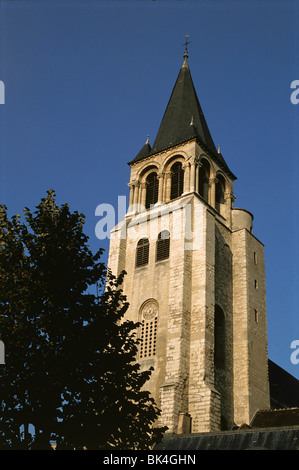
(195, 275)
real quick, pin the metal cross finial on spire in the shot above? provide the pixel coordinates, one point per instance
(185, 64)
(186, 42)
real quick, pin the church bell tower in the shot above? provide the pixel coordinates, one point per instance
(195, 275)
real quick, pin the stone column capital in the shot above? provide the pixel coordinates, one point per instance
(197, 161)
(213, 180)
(134, 183)
(229, 195)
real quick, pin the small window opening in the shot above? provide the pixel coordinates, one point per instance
(177, 180)
(203, 180)
(163, 245)
(220, 188)
(142, 252)
(152, 189)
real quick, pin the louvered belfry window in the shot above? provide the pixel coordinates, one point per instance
(203, 180)
(142, 252)
(152, 189)
(148, 333)
(163, 243)
(219, 196)
(177, 180)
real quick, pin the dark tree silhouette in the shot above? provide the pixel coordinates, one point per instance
(70, 372)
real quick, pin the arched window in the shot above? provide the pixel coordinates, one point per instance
(219, 337)
(148, 334)
(152, 189)
(220, 188)
(163, 245)
(177, 180)
(142, 252)
(203, 180)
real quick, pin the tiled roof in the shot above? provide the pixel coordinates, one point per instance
(245, 439)
(275, 418)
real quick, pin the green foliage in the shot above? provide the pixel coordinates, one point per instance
(70, 368)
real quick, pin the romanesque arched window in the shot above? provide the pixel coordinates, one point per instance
(203, 180)
(219, 337)
(219, 196)
(163, 242)
(177, 180)
(152, 189)
(142, 252)
(148, 329)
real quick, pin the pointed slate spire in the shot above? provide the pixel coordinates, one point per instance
(183, 108)
(183, 120)
(144, 151)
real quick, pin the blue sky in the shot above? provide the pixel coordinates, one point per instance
(87, 81)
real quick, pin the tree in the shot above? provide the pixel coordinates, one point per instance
(70, 355)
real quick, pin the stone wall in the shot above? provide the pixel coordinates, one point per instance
(224, 300)
(214, 262)
(251, 387)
